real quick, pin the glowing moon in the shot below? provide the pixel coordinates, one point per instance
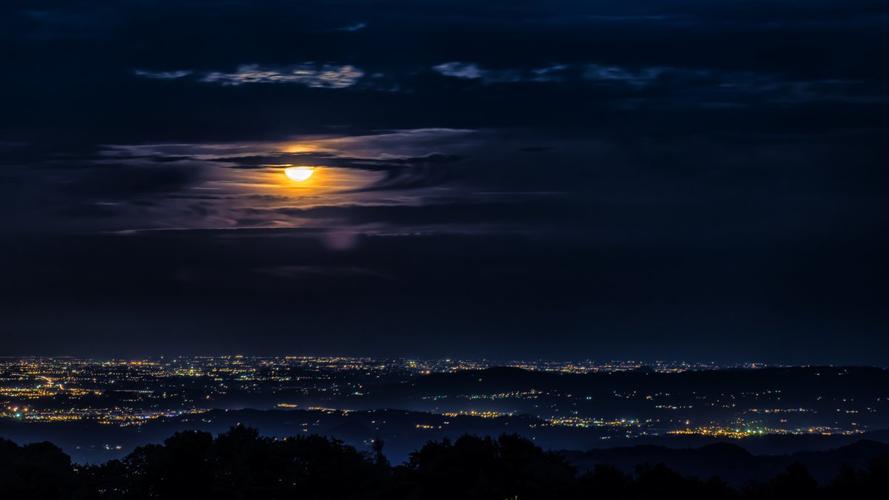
(299, 174)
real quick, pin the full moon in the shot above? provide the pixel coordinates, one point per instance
(299, 174)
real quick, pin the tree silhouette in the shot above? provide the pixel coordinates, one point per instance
(242, 464)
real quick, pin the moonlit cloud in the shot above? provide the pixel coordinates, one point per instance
(456, 69)
(360, 183)
(329, 76)
(549, 74)
(354, 27)
(472, 71)
(162, 75)
(638, 78)
(553, 73)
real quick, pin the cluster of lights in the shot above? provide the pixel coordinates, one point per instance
(742, 433)
(479, 413)
(132, 392)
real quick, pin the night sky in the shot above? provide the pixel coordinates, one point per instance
(637, 179)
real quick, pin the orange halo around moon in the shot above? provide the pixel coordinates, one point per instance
(299, 174)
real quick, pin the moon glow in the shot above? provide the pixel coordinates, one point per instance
(299, 174)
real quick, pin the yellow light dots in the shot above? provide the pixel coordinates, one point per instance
(299, 174)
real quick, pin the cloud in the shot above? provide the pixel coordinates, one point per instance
(549, 73)
(409, 173)
(354, 27)
(550, 65)
(472, 71)
(330, 76)
(112, 186)
(386, 146)
(457, 69)
(635, 78)
(162, 75)
(553, 73)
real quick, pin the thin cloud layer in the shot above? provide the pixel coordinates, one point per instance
(162, 75)
(317, 76)
(327, 76)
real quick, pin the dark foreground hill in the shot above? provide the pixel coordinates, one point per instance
(732, 463)
(241, 464)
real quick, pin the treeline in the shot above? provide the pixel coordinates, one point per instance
(241, 464)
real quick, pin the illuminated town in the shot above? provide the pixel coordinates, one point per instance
(601, 401)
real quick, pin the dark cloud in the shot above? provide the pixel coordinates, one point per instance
(731, 62)
(127, 182)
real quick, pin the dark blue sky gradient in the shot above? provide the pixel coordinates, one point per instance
(639, 179)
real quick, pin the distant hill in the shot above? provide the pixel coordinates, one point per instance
(403, 431)
(801, 381)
